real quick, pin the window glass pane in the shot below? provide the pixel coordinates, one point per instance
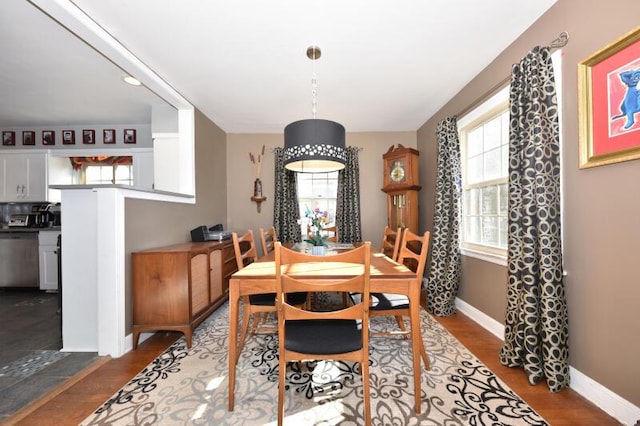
(492, 134)
(474, 142)
(490, 200)
(505, 128)
(493, 164)
(504, 199)
(317, 190)
(490, 230)
(474, 169)
(472, 229)
(472, 202)
(503, 232)
(92, 174)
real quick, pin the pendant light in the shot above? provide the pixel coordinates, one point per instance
(314, 145)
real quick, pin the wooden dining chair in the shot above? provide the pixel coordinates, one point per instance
(329, 335)
(390, 245)
(330, 231)
(267, 238)
(413, 254)
(244, 247)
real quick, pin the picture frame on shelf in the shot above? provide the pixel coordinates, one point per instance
(609, 111)
(129, 135)
(68, 137)
(28, 137)
(108, 136)
(48, 137)
(88, 137)
(8, 138)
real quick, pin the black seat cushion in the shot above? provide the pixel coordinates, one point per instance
(383, 301)
(269, 299)
(323, 337)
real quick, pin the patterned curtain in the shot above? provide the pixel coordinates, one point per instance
(536, 323)
(444, 271)
(348, 217)
(78, 162)
(286, 212)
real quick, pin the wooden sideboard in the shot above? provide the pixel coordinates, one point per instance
(177, 287)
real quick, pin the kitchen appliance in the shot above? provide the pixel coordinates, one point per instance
(45, 215)
(22, 220)
(215, 233)
(19, 258)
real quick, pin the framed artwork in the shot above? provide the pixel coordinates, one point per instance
(68, 137)
(609, 103)
(88, 137)
(108, 136)
(48, 137)
(8, 138)
(28, 137)
(129, 135)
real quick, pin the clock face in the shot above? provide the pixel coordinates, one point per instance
(397, 172)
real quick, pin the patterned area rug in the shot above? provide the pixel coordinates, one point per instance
(189, 387)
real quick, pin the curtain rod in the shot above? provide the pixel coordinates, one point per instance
(556, 43)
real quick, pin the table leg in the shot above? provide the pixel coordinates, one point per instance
(416, 341)
(234, 297)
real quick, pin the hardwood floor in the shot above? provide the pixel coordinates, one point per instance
(71, 404)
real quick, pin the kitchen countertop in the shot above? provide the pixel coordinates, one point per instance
(17, 230)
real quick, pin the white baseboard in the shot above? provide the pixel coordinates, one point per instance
(610, 402)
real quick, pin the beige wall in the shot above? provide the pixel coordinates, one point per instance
(242, 213)
(150, 224)
(601, 206)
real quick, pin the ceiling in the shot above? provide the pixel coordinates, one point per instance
(385, 66)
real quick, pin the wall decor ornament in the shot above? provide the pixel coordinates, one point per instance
(28, 137)
(109, 136)
(48, 137)
(8, 138)
(129, 135)
(609, 103)
(68, 137)
(88, 137)
(256, 163)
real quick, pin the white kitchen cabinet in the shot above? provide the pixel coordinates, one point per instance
(24, 177)
(48, 260)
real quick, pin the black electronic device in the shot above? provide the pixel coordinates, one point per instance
(214, 233)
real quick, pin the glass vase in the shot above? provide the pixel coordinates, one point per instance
(318, 250)
(257, 188)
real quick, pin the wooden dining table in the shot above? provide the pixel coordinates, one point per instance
(387, 276)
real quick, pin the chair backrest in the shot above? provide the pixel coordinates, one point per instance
(413, 251)
(286, 283)
(267, 239)
(244, 247)
(330, 231)
(391, 242)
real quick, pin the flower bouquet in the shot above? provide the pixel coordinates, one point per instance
(318, 219)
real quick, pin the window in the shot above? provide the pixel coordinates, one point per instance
(120, 174)
(484, 136)
(317, 190)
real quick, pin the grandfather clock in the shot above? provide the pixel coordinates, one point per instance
(401, 185)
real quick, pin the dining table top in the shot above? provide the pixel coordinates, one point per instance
(381, 267)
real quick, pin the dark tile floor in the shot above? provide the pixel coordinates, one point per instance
(31, 363)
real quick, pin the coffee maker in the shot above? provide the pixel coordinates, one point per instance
(46, 215)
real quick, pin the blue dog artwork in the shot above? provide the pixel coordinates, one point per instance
(631, 102)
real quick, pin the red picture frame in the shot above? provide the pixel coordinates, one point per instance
(48, 137)
(129, 135)
(8, 138)
(609, 110)
(108, 136)
(28, 137)
(88, 137)
(68, 137)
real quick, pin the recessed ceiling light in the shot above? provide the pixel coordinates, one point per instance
(130, 80)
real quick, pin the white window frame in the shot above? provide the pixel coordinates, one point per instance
(483, 109)
(491, 108)
(113, 173)
(313, 201)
